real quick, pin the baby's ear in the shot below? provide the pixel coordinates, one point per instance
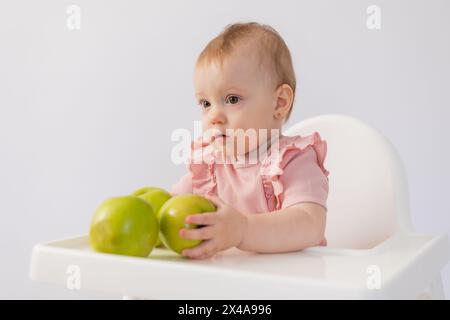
(284, 99)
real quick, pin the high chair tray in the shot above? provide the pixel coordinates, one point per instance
(400, 267)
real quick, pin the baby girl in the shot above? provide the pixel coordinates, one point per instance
(244, 81)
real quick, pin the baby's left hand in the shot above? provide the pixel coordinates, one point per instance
(222, 230)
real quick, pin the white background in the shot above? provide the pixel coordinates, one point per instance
(87, 114)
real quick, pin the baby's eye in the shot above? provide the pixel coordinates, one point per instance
(204, 104)
(233, 99)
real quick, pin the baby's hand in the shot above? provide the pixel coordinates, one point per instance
(222, 230)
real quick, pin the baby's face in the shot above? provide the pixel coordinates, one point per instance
(238, 96)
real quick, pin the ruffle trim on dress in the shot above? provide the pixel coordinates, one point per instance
(273, 165)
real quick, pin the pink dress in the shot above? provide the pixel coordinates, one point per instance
(294, 174)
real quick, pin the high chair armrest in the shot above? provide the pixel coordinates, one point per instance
(400, 267)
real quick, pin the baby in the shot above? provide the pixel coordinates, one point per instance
(245, 82)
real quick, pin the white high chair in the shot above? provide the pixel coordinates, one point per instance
(372, 253)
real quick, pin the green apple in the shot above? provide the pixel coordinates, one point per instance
(156, 197)
(143, 190)
(124, 225)
(172, 217)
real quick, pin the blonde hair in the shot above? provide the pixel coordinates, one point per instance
(272, 52)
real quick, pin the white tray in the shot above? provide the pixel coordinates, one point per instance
(403, 266)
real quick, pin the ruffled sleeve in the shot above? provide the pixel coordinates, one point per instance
(296, 173)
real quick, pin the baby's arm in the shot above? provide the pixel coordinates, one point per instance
(293, 228)
(184, 185)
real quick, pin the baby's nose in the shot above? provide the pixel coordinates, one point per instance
(216, 116)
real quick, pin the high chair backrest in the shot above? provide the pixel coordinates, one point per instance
(368, 195)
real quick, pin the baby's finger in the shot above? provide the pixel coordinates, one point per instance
(203, 233)
(206, 256)
(202, 218)
(205, 249)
